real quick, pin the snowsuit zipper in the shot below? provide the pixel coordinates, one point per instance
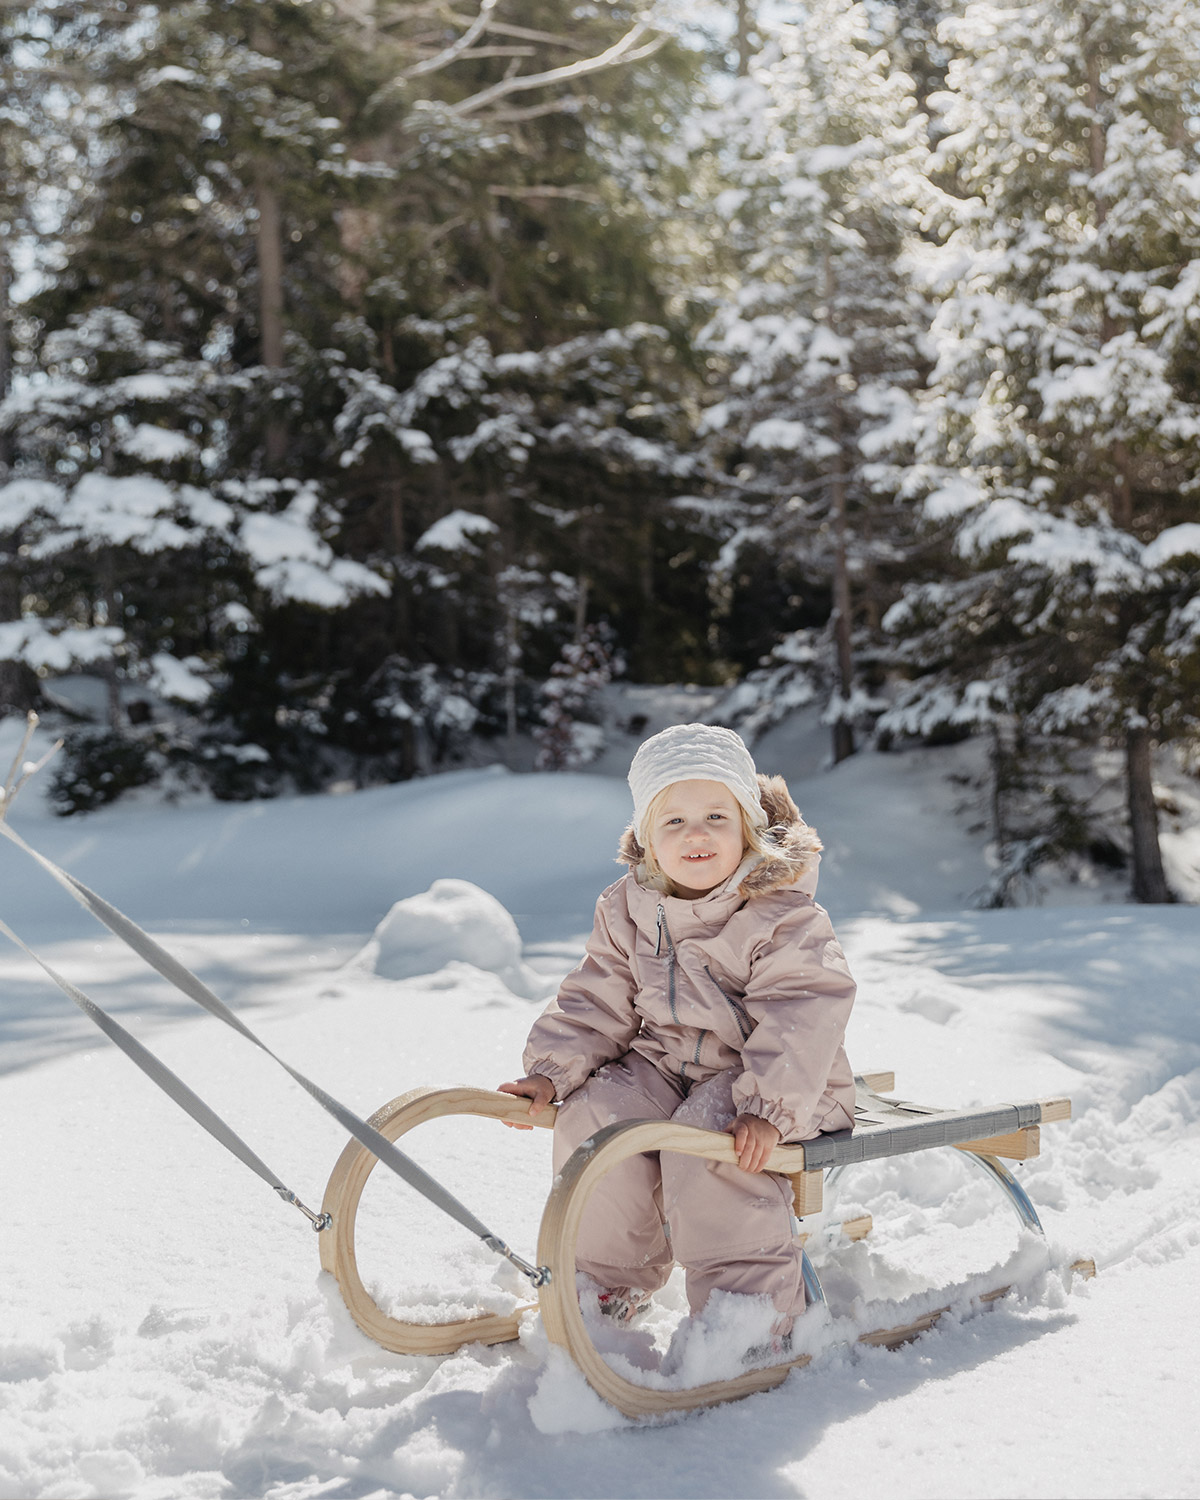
(739, 1011)
(665, 932)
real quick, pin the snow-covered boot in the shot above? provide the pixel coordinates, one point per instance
(777, 1347)
(623, 1304)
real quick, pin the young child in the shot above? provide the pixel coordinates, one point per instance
(714, 993)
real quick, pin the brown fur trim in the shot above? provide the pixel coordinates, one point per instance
(791, 844)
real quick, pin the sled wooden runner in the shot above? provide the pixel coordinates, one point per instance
(883, 1128)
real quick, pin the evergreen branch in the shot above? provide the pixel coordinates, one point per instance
(625, 50)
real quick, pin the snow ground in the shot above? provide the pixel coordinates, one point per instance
(167, 1332)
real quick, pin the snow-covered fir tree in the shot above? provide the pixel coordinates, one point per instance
(309, 212)
(819, 331)
(1062, 435)
(142, 556)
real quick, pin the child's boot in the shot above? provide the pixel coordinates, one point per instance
(776, 1348)
(623, 1304)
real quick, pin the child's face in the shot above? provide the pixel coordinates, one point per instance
(696, 836)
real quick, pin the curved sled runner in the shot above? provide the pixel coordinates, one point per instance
(883, 1128)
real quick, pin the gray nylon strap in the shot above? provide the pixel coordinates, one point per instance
(195, 988)
(154, 1068)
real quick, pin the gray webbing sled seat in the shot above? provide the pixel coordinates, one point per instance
(896, 1127)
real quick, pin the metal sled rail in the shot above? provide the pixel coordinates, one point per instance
(883, 1128)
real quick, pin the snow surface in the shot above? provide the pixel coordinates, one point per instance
(166, 1329)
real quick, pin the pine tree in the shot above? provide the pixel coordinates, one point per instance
(820, 329)
(1063, 426)
(141, 553)
(35, 159)
(421, 251)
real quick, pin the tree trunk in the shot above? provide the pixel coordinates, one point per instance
(1000, 776)
(1149, 881)
(843, 730)
(270, 310)
(6, 444)
(744, 22)
(582, 588)
(19, 689)
(1121, 504)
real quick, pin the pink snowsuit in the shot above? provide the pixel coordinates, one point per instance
(697, 1011)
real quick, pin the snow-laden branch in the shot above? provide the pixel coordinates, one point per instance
(455, 50)
(626, 50)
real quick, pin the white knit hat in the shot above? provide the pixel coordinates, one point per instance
(693, 752)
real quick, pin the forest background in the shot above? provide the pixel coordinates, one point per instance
(381, 380)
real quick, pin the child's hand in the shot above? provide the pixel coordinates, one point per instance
(534, 1087)
(753, 1139)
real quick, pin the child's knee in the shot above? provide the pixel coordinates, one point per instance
(710, 1105)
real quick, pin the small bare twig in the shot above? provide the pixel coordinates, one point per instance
(524, 33)
(626, 50)
(495, 51)
(448, 54)
(20, 771)
(583, 195)
(566, 104)
(31, 723)
(440, 231)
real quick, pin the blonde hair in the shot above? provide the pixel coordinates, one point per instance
(752, 841)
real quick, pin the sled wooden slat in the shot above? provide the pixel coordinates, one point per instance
(892, 1338)
(1021, 1145)
(807, 1193)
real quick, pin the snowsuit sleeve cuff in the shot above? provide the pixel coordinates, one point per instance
(561, 1078)
(766, 1109)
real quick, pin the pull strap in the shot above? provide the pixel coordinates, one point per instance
(170, 1083)
(195, 989)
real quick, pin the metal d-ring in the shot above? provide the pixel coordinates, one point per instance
(1010, 1187)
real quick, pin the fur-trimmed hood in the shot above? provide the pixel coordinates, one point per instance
(793, 846)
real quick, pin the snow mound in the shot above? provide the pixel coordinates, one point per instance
(453, 921)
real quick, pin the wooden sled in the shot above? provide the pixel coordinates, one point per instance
(883, 1128)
